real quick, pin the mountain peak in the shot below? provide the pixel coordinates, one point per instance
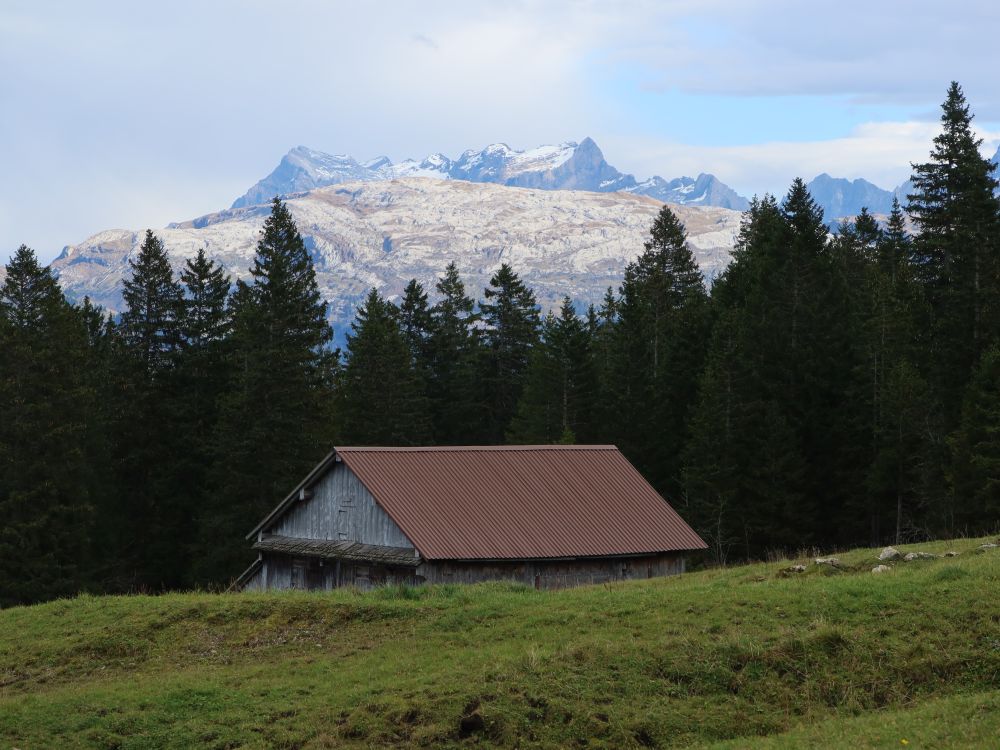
(566, 166)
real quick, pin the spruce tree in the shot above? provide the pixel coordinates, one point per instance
(453, 348)
(975, 446)
(150, 323)
(557, 404)
(897, 472)
(275, 423)
(956, 250)
(662, 329)
(415, 322)
(48, 477)
(148, 429)
(775, 382)
(511, 322)
(203, 378)
(381, 390)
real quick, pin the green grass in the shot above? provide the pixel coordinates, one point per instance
(749, 655)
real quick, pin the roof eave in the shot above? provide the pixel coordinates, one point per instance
(561, 558)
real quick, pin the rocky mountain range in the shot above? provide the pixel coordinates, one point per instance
(841, 198)
(568, 166)
(367, 233)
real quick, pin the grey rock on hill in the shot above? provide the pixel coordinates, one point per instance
(366, 234)
(568, 166)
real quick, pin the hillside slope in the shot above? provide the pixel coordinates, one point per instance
(747, 654)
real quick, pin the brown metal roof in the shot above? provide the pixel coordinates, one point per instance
(519, 502)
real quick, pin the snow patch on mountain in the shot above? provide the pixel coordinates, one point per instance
(566, 166)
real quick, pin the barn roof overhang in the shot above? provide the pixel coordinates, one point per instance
(350, 551)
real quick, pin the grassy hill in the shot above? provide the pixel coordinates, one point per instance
(750, 656)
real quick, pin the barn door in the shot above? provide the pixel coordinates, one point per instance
(314, 575)
(362, 577)
(298, 573)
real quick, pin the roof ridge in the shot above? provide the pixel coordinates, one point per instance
(470, 448)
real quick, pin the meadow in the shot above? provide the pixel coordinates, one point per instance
(755, 656)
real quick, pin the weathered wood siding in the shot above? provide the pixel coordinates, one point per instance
(555, 574)
(286, 572)
(340, 508)
(254, 582)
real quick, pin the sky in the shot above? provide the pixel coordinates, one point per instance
(132, 115)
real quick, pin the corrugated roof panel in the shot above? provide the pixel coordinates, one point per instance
(517, 502)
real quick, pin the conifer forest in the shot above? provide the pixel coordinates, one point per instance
(830, 388)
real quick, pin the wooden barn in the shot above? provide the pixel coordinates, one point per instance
(549, 516)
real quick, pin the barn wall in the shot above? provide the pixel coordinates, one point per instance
(555, 574)
(254, 582)
(340, 508)
(286, 572)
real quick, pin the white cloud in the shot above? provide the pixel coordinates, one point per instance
(123, 113)
(880, 152)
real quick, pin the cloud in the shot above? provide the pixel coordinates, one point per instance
(425, 41)
(880, 152)
(128, 114)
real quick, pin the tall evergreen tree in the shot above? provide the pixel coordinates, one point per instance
(275, 423)
(662, 329)
(150, 323)
(381, 389)
(415, 323)
(779, 364)
(898, 471)
(203, 378)
(956, 252)
(453, 356)
(511, 321)
(48, 407)
(557, 404)
(148, 427)
(975, 467)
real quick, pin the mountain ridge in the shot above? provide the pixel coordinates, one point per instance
(567, 166)
(366, 234)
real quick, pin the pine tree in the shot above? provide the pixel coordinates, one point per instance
(148, 430)
(975, 467)
(662, 329)
(882, 320)
(381, 389)
(48, 408)
(511, 320)
(276, 421)
(150, 323)
(897, 472)
(205, 319)
(781, 371)
(203, 378)
(415, 323)
(453, 355)
(956, 250)
(607, 418)
(557, 404)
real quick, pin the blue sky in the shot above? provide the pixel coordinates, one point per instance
(124, 114)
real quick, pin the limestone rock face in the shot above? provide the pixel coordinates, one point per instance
(889, 553)
(881, 569)
(381, 234)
